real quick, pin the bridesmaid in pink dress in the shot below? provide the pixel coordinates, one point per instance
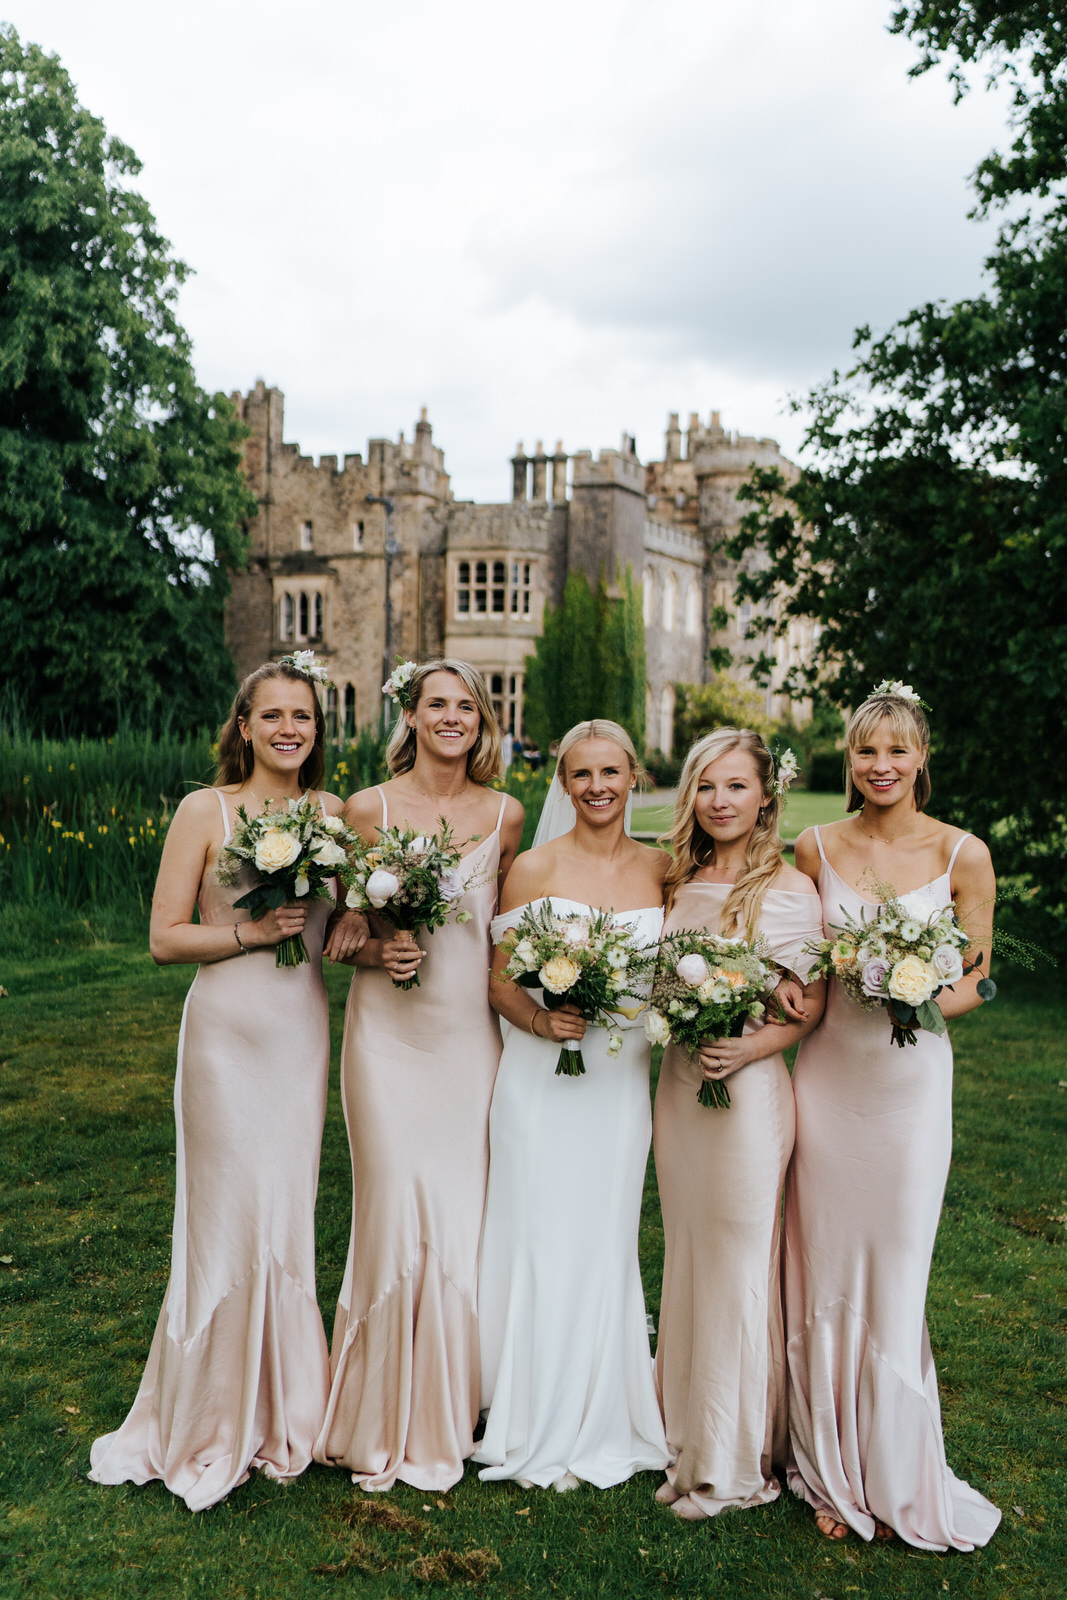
(417, 1075)
(864, 1192)
(237, 1376)
(720, 1362)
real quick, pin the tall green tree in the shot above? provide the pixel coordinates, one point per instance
(588, 662)
(928, 532)
(121, 491)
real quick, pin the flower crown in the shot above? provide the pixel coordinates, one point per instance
(398, 684)
(899, 691)
(785, 770)
(304, 661)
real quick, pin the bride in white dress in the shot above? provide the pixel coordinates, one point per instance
(566, 1372)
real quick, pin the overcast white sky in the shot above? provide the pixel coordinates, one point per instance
(560, 220)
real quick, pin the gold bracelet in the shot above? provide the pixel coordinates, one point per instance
(240, 941)
(533, 1023)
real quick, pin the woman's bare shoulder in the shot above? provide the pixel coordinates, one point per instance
(793, 881)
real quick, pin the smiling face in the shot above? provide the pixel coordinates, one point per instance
(884, 766)
(280, 725)
(598, 777)
(445, 718)
(729, 796)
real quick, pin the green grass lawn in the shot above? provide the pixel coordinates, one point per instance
(87, 1041)
(802, 810)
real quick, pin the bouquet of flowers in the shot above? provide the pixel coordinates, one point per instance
(706, 987)
(590, 961)
(900, 958)
(297, 853)
(411, 879)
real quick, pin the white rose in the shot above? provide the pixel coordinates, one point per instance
(525, 952)
(559, 974)
(276, 850)
(947, 963)
(656, 1028)
(381, 886)
(353, 900)
(332, 824)
(692, 970)
(328, 854)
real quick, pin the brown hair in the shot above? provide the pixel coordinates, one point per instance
(693, 848)
(235, 758)
(908, 722)
(485, 759)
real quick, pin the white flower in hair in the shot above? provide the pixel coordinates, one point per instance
(785, 772)
(902, 691)
(396, 686)
(304, 661)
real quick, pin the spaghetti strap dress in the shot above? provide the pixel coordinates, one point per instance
(237, 1376)
(863, 1200)
(720, 1358)
(417, 1074)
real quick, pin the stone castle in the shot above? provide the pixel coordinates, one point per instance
(372, 559)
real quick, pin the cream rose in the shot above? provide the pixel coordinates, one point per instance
(912, 981)
(657, 1028)
(559, 974)
(328, 854)
(276, 850)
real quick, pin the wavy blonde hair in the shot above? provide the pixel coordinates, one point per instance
(693, 848)
(485, 760)
(908, 722)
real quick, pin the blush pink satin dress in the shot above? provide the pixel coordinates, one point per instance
(720, 1360)
(863, 1200)
(237, 1376)
(417, 1074)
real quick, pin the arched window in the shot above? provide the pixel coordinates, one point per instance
(331, 711)
(316, 615)
(350, 711)
(670, 603)
(692, 609)
(285, 616)
(666, 720)
(650, 715)
(649, 599)
(302, 615)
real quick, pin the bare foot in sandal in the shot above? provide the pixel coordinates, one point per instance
(829, 1526)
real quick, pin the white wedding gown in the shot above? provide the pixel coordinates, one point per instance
(566, 1372)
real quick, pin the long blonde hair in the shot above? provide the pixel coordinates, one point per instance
(485, 759)
(693, 848)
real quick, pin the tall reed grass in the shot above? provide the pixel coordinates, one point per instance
(82, 821)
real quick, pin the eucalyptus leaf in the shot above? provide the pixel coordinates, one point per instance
(987, 989)
(929, 1017)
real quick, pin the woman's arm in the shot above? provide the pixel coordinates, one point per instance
(510, 836)
(720, 1057)
(517, 1006)
(974, 889)
(192, 842)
